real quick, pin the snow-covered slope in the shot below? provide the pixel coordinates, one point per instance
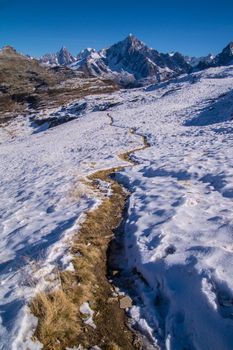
(42, 202)
(178, 230)
(90, 62)
(179, 226)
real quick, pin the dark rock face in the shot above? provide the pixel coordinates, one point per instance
(133, 56)
(178, 63)
(64, 57)
(131, 60)
(224, 58)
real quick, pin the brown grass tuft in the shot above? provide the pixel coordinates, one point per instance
(57, 315)
(113, 346)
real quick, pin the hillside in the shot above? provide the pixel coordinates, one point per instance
(26, 85)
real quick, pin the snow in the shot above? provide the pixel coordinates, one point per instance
(88, 313)
(179, 226)
(88, 54)
(178, 230)
(42, 204)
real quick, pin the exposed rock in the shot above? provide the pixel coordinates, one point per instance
(64, 57)
(126, 302)
(224, 58)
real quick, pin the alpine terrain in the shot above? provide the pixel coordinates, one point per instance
(116, 211)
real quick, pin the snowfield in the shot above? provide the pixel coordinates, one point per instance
(42, 202)
(179, 226)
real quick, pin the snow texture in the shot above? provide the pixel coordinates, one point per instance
(42, 205)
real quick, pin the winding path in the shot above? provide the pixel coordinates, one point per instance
(92, 268)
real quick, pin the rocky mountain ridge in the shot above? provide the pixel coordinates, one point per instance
(61, 58)
(131, 62)
(224, 58)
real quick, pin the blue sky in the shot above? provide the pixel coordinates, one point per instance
(191, 27)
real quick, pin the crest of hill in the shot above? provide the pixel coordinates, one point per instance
(24, 83)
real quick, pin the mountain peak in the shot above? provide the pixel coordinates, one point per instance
(64, 56)
(226, 56)
(131, 37)
(132, 40)
(63, 48)
(9, 49)
(85, 53)
(130, 59)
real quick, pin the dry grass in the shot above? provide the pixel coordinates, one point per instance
(60, 323)
(71, 90)
(57, 315)
(113, 346)
(126, 156)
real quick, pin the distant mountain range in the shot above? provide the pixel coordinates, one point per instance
(195, 61)
(130, 62)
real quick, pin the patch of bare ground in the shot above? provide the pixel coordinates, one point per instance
(11, 105)
(60, 322)
(72, 89)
